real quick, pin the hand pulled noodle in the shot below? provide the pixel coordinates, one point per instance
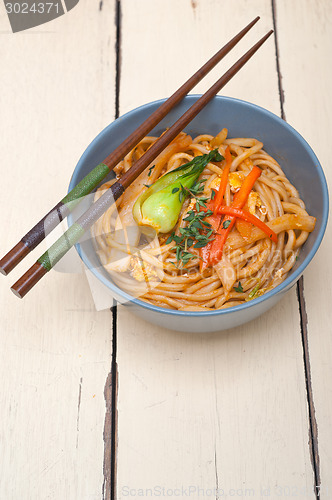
(175, 269)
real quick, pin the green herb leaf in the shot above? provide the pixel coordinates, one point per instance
(190, 217)
(150, 170)
(198, 232)
(201, 244)
(178, 253)
(177, 239)
(239, 288)
(169, 239)
(183, 193)
(198, 187)
(226, 224)
(197, 223)
(175, 190)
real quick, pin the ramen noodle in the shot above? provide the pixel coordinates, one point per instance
(211, 259)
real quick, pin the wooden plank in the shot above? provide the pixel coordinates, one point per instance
(186, 53)
(57, 92)
(308, 108)
(225, 410)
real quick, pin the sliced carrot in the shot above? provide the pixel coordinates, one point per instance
(241, 196)
(219, 197)
(214, 249)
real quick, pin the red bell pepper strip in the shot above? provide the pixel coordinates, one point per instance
(248, 217)
(204, 252)
(213, 250)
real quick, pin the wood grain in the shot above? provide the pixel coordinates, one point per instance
(225, 410)
(308, 107)
(57, 93)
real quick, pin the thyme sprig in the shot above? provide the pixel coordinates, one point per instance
(239, 288)
(198, 232)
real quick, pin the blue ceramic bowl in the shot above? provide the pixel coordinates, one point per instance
(242, 119)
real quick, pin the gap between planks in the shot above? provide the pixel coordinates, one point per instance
(110, 390)
(110, 425)
(313, 429)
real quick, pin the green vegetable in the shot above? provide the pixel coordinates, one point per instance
(239, 288)
(197, 233)
(158, 208)
(254, 292)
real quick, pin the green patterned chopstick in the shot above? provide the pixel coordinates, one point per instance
(85, 221)
(91, 181)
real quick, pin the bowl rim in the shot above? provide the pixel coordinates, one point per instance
(282, 287)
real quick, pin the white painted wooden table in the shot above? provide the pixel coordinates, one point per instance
(247, 411)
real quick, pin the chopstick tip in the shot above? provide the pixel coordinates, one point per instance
(15, 292)
(28, 280)
(265, 37)
(2, 271)
(254, 21)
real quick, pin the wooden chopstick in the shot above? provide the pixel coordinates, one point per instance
(85, 221)
(91, 181)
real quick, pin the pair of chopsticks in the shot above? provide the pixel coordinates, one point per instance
(46, 262)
